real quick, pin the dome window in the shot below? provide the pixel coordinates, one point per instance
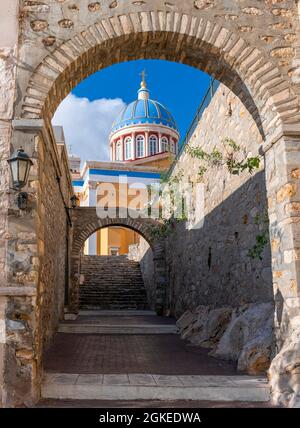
(119, 151)
(128, 149)
(164, 144)
(153, 145)
(140, 146)
(172, 147)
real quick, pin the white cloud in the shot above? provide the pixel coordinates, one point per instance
(87, 125)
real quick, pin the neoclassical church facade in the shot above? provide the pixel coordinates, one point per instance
(143, 143)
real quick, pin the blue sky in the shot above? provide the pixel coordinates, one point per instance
(87, 114)
(177, 86)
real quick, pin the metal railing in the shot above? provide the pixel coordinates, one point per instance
(214, 84)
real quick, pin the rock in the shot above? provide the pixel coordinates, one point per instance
(248, 338)
(93, 7)
(66, 23)
(204, 4)
(39, 25)
(185, 320)
(284, 372)
(256, 354)
(191, 323)
(15, 325)
(212, 327)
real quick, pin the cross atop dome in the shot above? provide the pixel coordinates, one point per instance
(143, 75)
(143, 93)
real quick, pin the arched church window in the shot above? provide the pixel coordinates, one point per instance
(128, 148)
(172, 146)
(140, 144)
(164, 144)
(153, 144)
(119, 151)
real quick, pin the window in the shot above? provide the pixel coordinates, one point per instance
(153, 145)
(164, 144)
(119, 151)
(128, 154)
(172, 147)
(140, 146)
(114, 251)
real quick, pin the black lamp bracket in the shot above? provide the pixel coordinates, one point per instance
(22, 200)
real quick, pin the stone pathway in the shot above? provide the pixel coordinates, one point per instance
(104, 354)
(154, 387)
(140, 366)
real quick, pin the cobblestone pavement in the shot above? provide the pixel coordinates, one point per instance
(157, 354)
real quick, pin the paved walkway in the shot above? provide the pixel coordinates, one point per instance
(114, 367)
(160, 354)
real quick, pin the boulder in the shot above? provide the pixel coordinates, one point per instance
(191, 323)
(185, 320)
(248, 338)
(212, 327)
(256, 354)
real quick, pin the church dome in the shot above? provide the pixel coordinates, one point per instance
(144, 111)
(143, 129)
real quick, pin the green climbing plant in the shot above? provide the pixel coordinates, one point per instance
(262, 239)
(228, 158)
(166, 227)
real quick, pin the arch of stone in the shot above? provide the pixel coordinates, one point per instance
(46, 49)
(86, 222)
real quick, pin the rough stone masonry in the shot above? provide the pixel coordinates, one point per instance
(46, 48)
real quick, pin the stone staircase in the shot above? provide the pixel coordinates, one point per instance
(112, 283)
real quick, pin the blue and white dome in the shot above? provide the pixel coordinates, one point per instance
(144, 111)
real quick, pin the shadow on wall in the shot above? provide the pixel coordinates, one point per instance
(147, 268)
(211, 266)
(143, 254)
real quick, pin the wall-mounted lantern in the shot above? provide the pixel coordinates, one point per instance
(20, 164)
(74, 201)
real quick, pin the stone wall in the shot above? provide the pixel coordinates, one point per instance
(55, 191)
(37, 261)
(143, 254)
(211, 266)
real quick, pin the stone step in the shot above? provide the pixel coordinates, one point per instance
(111, 313)
(126, 292)
(117, 329)
(107, 293)
(113, 301)
(110, 307)
(112, 285)
(154, 387)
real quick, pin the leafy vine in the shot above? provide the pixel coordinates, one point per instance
(216, 158)
(262, 239)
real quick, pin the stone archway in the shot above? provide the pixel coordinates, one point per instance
(250, 48)
(86, 222)
(192, 40)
